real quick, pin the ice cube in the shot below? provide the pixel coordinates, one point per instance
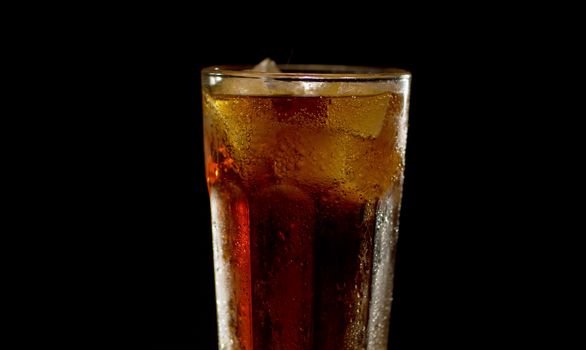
(255, 86)
(248, 86)
(267, 66)
(362, 116)
(276, 86)
(315, 88)
(241, 87)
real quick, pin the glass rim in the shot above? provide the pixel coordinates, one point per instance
(311, 72)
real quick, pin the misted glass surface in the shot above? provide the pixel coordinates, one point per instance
(305, 175)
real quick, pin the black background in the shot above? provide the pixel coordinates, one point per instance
(115, 229)
(154, 273)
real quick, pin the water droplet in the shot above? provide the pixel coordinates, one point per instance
(281, 235)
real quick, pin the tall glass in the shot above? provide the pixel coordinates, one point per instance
(305, 171)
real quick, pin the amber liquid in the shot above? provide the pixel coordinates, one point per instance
(305, 196)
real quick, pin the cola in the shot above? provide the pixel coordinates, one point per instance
(305, 193)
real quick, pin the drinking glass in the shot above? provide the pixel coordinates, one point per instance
(305, 170)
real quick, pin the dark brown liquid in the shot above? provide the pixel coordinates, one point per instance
(310, 262)
(294, 240)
